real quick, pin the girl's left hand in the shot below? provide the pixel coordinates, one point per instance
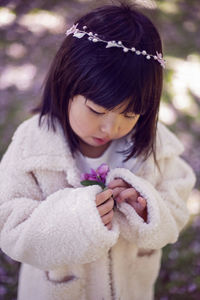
(123, 192)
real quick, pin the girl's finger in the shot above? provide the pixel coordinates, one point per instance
(118, 182)
(142, 202)
(136, 205)
(103, 196)
(117, 191)
(143, 212)
(130, 193)
(106, 207)
(107, 218)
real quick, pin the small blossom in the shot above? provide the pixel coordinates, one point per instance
(97, 176)
(73, 29)
(102, 172)
(160, 59)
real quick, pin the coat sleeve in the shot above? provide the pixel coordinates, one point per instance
(166, 202)
(64, 228)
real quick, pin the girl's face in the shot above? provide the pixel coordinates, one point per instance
(96, 126)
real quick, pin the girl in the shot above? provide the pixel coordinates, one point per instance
(100, 105)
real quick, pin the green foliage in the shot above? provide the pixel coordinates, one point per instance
(93, 182)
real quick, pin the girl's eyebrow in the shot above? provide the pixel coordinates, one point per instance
(99, 107)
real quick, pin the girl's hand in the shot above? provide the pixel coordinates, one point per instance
(105, 203)
(123, 192)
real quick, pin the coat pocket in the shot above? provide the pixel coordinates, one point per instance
(64, 279)
(148, 265)
(144, 252)
(64, 287)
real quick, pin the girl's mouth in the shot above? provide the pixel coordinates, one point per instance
(100, 141)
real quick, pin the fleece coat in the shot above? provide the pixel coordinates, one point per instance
(50, 223)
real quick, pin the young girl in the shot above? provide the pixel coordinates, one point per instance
(100, 106)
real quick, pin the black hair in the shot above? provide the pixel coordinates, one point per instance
(108, 76)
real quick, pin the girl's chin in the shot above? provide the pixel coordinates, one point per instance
(92, 148)
(94, 142)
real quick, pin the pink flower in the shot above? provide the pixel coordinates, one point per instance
(98, 175)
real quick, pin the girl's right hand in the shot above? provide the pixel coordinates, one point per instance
(105, 204)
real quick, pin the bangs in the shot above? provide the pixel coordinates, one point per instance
(113, 80)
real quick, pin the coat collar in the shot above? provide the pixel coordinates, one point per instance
(42, 148)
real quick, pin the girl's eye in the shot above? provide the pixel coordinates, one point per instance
(96, 112)
(130, 117)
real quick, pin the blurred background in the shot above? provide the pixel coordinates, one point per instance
(30, 34)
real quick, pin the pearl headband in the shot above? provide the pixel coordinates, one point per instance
(94, 38)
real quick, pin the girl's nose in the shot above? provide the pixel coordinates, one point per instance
(110, 127)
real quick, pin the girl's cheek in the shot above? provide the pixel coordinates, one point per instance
(125, 129)
(82, 124)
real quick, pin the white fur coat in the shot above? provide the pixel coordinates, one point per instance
(51, 224)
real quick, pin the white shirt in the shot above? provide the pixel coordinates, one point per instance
(110, 156)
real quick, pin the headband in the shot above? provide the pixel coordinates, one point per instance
(94, 38)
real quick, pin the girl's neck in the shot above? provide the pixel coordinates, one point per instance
(91, 151)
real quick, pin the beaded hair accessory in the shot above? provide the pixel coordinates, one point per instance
(94, 38)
